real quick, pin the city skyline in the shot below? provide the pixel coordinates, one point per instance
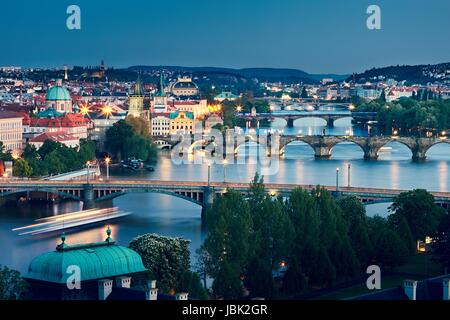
(322, 37)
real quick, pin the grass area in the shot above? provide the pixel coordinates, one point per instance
(418, 267)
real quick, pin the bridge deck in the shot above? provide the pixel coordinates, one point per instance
(199, 185)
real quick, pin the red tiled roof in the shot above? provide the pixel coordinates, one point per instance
(55, 136)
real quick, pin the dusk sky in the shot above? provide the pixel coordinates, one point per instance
(320, 36)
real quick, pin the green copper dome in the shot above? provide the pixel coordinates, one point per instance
(98, 260)
(57, 93)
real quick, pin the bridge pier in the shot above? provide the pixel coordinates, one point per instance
(419, 155)
(208, 199)
(330, 123)
(322, 152)
(290, 122)
(371, 154)
(88, 197)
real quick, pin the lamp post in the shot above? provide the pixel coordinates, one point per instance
(337, 179)
(225, 162)
(87, 171)
(107, 161)
(209, 174)
(349, 175)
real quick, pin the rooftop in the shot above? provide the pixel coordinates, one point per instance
(98, 260)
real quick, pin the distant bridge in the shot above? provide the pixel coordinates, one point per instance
(201, 193)
(322, 145)
(291, 116)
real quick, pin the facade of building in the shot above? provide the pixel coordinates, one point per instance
(182, 122)
(198, 107)
(160, 124)
(184, 87)
(226, 96)
(73, 124)
(11, 131)
(58, 98)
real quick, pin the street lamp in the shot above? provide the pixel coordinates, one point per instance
(87, 171)
(337, 179)
(225, 162)
(349, 175)
(107, 161)
(239, 108)
(209, 174)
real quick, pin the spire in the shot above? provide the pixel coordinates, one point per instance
(161, 92)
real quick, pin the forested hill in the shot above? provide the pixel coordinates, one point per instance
(420, 74)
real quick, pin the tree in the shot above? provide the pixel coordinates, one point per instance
(21, 168)
(140, 126)
(355, 215)
(229, 229)
(304, 94)
(419, 210)
(4, 155)
(12, 286)
(166, 258)
(441, 244)
(190, 282)
(227, 283)
(294, 280)
(116, 136)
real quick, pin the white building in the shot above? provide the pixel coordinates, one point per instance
(160, 124)
(11, 131)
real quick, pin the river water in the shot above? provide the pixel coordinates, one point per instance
(170, 216)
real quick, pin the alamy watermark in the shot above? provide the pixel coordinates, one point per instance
(73, 21)
(227, 148)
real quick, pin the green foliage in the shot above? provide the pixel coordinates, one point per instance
(409, 116)
(12, 286)
(227, 283)
(191, 283)
(323, 241)
(4, 154)
(166, 258)
(441, 245)
(21, 168)
(55, 158)
(130, 138)
(419, 210)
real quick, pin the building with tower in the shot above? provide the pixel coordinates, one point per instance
(184, 87)
(58, 98)
(159, 104)
(136, 100)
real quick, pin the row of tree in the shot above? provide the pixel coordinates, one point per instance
(409, 116)
(130, 138)
(322, 241)
(53, 158)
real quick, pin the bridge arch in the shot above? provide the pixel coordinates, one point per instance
(297, 122)
(134, 191)
(202, 142)
(441, 142)
(348, 141)
(405, 145)
(162, 144)
(48, 190)
(299, 139)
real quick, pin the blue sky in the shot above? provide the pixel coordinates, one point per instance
(318, 36)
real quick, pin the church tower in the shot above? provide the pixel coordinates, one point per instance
(136, 100)
(160, 98)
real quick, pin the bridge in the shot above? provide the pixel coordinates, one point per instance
(290, 116)
(321, 145)
(200, 193)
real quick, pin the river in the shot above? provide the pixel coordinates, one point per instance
(175, 217)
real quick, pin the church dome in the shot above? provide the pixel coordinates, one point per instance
(96, 261)
(58, 93)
